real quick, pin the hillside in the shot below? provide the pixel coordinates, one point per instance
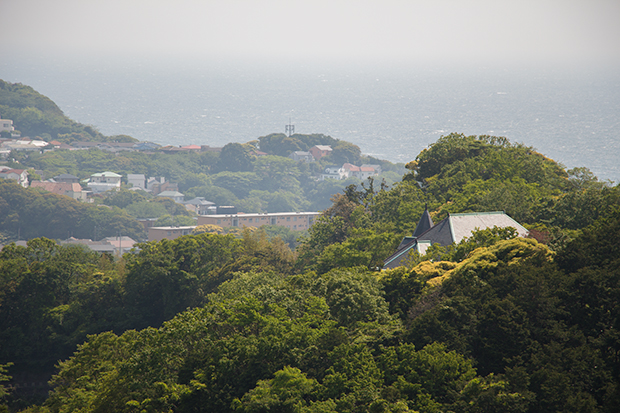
(36, 115)
(33, 213)
(211, 322)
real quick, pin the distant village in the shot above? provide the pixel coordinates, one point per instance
(207, 212)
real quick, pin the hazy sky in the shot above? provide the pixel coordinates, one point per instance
(562, 31)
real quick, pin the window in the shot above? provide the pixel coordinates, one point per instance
(288, 218)
(250, 220)
(219, 221)
(294, 218)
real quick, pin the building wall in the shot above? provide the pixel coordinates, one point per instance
(318, 153)
(297, 221)
(6, 125)
(137, 181)
(160, 233)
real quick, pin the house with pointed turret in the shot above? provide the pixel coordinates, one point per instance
(451, 230)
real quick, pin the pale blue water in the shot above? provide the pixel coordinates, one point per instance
(572, 116)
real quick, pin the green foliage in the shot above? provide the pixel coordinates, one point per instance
(146, 209)
(282, 145)
(166, 277)
(32, 214)
(457, 253)
(208, 228)
(286, 392)
(239, 183)
(215, 194)
(243, 323)
(52, 297)
(343, 152)
(34, 115)
(363, 248)
(235, 157)
(123, 198)
(3, 390)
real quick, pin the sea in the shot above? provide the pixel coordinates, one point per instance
(390, 111)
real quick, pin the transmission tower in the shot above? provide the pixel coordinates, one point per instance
(289, 129)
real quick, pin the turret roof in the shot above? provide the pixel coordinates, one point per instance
(425, 223)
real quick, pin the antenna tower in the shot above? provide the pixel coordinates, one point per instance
(289, 129)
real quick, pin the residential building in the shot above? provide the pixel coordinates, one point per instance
(360, 172)
(319, 151)
(6, 125)
(146, 146)
(301, 156)
(451, 230)
(60, 145)
(110, 245)
(258, 153)
(297, 221)
(174, 195)
(198, 205)
(377, 168)
(104, 181)
(195, 148)
(25, 144)
(106, 146)
(67, 178)
(159, 184)
(160, 233)
(137, 181)
(333, 172)
(73, 190)
(19, 175)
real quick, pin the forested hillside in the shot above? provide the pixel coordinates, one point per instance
(214, 323)
(32, 213)
(36, 115)
(235, 176)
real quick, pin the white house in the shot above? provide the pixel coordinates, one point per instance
(360, 172)
(137, 180)
(104, 181)
(333, 172)
(6, 125)
(19, 175)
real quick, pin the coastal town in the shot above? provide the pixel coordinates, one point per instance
(204, 211)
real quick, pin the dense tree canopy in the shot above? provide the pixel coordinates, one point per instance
(213, 322)
(31, 213)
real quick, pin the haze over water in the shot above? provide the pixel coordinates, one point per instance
(391, 76)
(571, 116)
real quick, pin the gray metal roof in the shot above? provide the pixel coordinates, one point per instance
(454, 229)
(424, 224)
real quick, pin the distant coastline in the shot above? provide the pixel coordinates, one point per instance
(393, 115)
